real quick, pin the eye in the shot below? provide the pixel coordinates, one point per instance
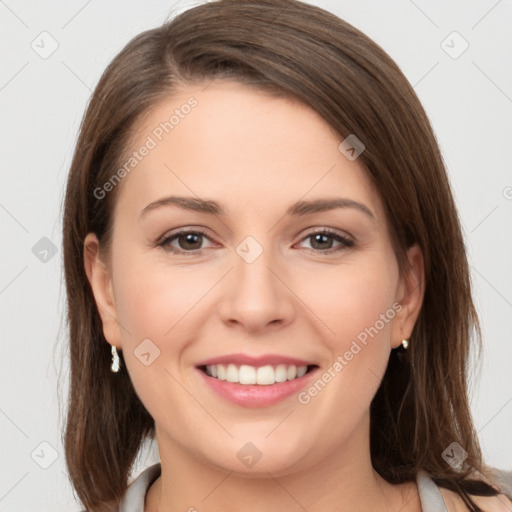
(323, 242)
(191, 241)
(186, 241)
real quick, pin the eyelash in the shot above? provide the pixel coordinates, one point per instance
(345, 242)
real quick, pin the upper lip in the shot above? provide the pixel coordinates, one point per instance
(256, 361)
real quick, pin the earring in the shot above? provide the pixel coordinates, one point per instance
(405, 343)
(115, 360)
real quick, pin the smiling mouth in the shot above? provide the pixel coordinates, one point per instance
(252, 375)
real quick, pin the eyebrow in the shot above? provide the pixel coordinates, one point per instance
(299, 208)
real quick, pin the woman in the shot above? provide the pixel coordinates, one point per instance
(218, 154)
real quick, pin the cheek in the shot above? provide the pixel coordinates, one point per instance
(360, 308)
(355, 300)
(154, 304)
(152, 299)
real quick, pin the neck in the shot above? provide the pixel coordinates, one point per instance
(344, 481)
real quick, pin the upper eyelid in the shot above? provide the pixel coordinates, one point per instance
(330, 231)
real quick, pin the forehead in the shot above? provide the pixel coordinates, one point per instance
(241, 146)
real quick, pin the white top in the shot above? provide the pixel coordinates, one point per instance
(133, 501)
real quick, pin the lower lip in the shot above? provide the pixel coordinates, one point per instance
(256, 395)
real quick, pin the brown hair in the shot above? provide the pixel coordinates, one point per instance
(296, 50)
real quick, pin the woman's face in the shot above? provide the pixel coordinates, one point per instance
(275, 281)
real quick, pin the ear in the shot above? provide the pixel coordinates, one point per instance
(410, 293)
(100, 280)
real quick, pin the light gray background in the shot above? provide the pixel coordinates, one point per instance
(468, 99)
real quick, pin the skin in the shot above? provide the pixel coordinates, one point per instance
(255, 155)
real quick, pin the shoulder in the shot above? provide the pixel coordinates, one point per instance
(499, 503)
(454, 503)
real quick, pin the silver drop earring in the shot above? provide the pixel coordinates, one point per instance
(116, 363)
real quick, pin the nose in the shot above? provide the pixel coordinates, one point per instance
(256, 297)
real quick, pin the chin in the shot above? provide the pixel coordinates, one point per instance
(259, 458)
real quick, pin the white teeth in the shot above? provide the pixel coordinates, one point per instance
(292, 372)
(232, 373)
(247, 374)
(281, 374)
(263, 375)
(301, 371)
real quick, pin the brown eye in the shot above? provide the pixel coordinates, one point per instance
(184, 242)
(190, 241)
(327, 242)
(321, 241)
